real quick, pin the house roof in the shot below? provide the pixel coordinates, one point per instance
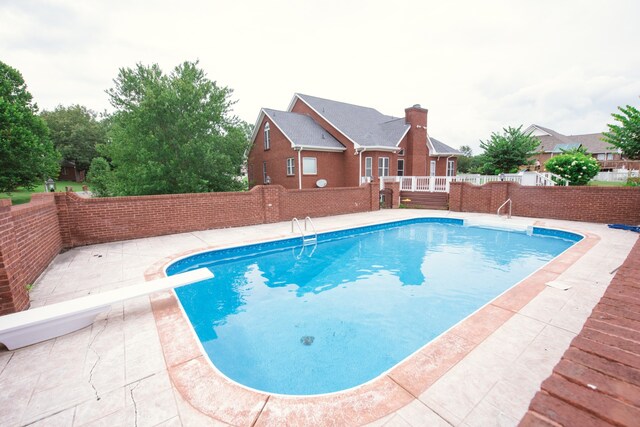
(555, 142)
(302, 131)
(438, 148)
(364, 126)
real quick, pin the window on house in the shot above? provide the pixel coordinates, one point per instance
(602, 156)
(400, 167)
(368, 167)
(451, 167)
(383, 166)
(290, 167)
(309, 166)
(264, 172)
(401, 153)
(432, 168)
(609, 156)
(267, 137)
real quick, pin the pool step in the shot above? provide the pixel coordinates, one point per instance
(499, 224)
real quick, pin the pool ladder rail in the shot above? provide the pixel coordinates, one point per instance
(306, 239)
(508, 201)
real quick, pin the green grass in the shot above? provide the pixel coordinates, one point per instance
(24, 196)
(607, 183)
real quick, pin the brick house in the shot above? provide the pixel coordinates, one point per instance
(553, 143)
(320, 142)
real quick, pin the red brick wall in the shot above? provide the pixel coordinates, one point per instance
(29, 240)
(316, 202)
(31, 235)
(590, 204)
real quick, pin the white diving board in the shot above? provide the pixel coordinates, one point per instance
(42, 323)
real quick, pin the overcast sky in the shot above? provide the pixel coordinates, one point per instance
(477, 66)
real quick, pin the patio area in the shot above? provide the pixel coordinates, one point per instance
(121, 370)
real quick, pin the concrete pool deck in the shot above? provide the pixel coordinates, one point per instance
(118, 372)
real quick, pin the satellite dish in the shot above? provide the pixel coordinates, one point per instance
(321, 183)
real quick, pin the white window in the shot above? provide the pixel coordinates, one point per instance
(309, 166)
(601, 156)
(400, 167)
(609, 156)
(368, 167)
(264, 172)
(383, 166)
(432, 168)
(290, 167)
(451, 167)
(267, 137)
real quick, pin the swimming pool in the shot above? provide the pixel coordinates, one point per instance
(285, 319)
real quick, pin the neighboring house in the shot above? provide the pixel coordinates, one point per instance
(553, 143)
(69, 172)
(320, 142)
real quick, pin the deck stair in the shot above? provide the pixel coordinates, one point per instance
(424, 200)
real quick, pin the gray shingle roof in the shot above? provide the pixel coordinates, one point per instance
(363, 125)
(592, 142)
(442, 148)
(302, 130)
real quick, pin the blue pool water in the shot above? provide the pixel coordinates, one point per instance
(287, 319)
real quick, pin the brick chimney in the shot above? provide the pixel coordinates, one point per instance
(417, 152)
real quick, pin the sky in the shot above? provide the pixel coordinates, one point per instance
(477, 66)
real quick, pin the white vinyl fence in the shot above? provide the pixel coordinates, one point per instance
(617, 176)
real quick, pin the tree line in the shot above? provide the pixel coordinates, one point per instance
(169, 133)
(511, 149)
(175, 133)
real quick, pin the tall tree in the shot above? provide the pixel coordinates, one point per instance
(26, 152)
(464, 161)
(172, 133)
(75, 132)
(626, 136)
(507, 151)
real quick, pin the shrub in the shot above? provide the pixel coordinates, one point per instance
(576, 167)
(99, 176)
(633, 182)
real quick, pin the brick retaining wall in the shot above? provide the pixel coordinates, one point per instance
(589, 204)
(31, 235)
(29, 240)
(597, 381)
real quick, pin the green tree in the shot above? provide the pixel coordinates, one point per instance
(26, 152)
(575, 166)
(504, 153)
(99, 176)
(626, 136)
(75, 132)
(172, 133)
(464, 161)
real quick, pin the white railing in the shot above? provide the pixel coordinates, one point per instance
(483, 179)
(432, 184)
(617, 176)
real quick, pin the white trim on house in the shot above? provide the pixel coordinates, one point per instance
(534, 130)
(433, 152)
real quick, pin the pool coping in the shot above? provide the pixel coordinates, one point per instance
(214, 395)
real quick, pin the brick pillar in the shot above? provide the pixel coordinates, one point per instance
(271, 195)
(374, 192)
(455, 196)
(63, 219)
(499, 194)
(13, 292)
(395, 195)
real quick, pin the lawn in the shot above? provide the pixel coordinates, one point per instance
(608, 183)
(24, 196)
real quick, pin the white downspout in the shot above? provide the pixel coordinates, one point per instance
(299, 169)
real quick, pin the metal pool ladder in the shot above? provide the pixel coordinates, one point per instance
(307, 239)
(502, 205)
